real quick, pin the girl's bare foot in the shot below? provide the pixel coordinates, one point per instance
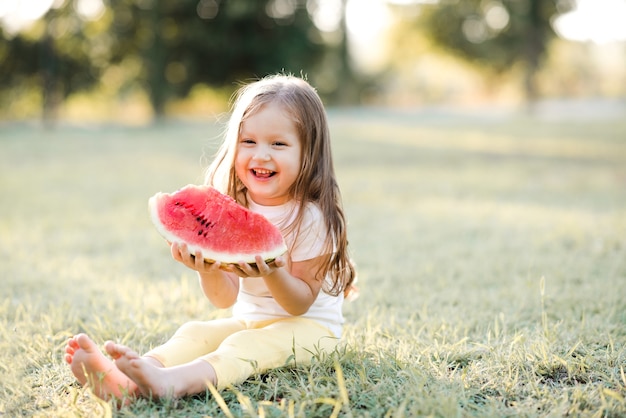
(155, 381)
(93, 369)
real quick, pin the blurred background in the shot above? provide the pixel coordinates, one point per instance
(136, 61)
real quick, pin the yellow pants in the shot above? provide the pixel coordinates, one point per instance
(237, 349)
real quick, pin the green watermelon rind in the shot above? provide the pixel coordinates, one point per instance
(268, 261)
(208, 254)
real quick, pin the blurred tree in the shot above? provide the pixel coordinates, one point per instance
(495, 33)
(57, 54)
(170, 46)
(185, 42)
(346, 91)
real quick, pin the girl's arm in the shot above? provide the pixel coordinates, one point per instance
(218, 285)
(295, 290)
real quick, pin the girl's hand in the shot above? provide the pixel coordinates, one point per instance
(181, 253)
(258, 269)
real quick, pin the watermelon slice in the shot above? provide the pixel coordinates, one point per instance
(215, 224)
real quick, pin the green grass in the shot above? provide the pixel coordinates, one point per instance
(491, 257)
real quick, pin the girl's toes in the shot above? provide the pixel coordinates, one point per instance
(72, 344)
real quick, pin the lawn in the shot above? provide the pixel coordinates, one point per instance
(491, 254)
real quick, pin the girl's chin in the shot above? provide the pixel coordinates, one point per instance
(267, 199)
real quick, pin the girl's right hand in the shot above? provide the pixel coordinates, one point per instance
(181, 253)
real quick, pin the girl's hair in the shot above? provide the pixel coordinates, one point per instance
(316, 181)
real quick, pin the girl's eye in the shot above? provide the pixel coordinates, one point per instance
(247, 141)
(279, 144)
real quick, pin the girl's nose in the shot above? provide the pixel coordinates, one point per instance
(262, 154)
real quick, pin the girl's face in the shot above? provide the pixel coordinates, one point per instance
(268, 155)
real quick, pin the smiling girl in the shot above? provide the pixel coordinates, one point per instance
(276, 160)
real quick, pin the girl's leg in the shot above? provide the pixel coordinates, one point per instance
(181, 373)
(160, 382)
(193, 340)
(269, 345)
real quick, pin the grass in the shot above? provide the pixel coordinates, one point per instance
(491, 256)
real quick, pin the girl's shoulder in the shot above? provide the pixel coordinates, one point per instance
(312, 214)
(310, 236)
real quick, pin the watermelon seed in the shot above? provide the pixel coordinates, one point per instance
(200, 232)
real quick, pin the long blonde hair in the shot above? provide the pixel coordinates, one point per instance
(316, 182)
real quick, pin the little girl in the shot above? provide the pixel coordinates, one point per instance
(275, 160)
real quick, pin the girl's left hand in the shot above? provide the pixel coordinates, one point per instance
(258, 269)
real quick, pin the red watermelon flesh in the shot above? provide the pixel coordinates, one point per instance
(215, 224)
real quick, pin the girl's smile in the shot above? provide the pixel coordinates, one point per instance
(268, 155)
(262, 173)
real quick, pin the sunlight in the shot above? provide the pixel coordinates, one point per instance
(326, 14)
(599, 21)
(26, 10)
(90, 9)
(366, 18)
(367, 21)
(17, 15)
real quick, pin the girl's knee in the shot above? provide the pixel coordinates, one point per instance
(214, 330)
(190, 329)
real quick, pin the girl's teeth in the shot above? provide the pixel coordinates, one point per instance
(263, 173)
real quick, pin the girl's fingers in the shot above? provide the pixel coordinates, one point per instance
(175, 250)
(279, 262)
(196, 261)
(238, 270)
(180, 252)
(244, 268)
(248, 270)
(261, 266)
(199, 261)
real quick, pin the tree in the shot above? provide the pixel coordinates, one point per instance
(185, 42)
(235, 40)
(178, 44)
(495, 33)
(56, 54)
